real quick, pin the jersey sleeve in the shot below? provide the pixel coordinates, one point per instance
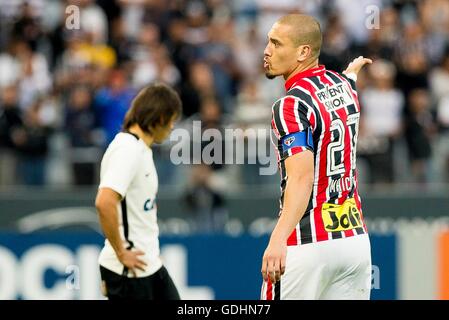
(351, 78)
(292, 126)
(121, 168)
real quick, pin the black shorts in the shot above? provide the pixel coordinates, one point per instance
(158, 286)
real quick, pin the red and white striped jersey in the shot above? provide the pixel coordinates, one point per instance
(326, 103)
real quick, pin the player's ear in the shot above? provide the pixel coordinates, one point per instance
(304, 52)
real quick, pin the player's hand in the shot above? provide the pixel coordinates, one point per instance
(357, 64)
(131, 260)
(273, 262)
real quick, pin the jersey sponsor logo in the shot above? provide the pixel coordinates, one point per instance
(334, 97)
(341, 217)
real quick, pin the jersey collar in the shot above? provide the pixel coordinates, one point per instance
(321, 69)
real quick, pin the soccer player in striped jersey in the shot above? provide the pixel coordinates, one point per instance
(130, 263)
(319, 248)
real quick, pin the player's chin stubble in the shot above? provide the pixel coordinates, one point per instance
(269, 75)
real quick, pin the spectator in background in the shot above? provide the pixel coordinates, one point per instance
(355, 23)
(80, 124)
(247, 50)
(381, 122)
(434, 17)
(10, 119)
(199, 86)
(439, 79)
(82, 64)
(411, 57)
(252, 114)
(381, 41)
(120, 43)
(197, 20)
(10, 115)
(180, 50)
(9, 66)
(158, 67)
(93, 21)
(31, 142)
(251, 111)
(34, 77)
(335, 49)
(218, 54)
(205, 203)
(211, 118)
(441, 154)
(112, 102)
(27, 26)
(419, 131)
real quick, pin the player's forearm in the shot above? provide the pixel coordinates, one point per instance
(108, 217)
(296, 198)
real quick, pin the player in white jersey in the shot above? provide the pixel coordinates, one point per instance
(130, 264)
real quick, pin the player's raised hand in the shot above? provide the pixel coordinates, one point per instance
(273, 262)
(131, 260)
(357, 64)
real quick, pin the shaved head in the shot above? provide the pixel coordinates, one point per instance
(305, 30)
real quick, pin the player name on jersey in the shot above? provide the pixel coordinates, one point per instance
(344, 184)
(334, 97)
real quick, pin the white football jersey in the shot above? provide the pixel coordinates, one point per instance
(128, 168)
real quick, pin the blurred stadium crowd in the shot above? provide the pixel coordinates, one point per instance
(64, 91)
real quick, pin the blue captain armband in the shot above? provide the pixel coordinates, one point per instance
(298, 139)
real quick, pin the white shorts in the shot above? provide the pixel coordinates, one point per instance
(329, 270)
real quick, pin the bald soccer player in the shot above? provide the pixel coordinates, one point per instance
(320, 247)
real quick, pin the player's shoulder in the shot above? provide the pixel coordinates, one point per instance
(339, 77)
(291, 102)
(126, 143)
(285, 102)
(287, 98)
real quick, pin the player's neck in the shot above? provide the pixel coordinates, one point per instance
(301, 68)
(146, 137)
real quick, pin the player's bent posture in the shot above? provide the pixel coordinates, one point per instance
(319, 248)
(130, 265)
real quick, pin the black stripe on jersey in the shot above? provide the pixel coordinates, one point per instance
(337, 234)
(125, 223)
(351, 109)
(133, 134)
(351, 82)
(277, 118)
(316, 82)
(333, 77)
(351, 193)
(277, 291)
(360, 230)
(305, 228)
(126, 231)
(307, 100)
